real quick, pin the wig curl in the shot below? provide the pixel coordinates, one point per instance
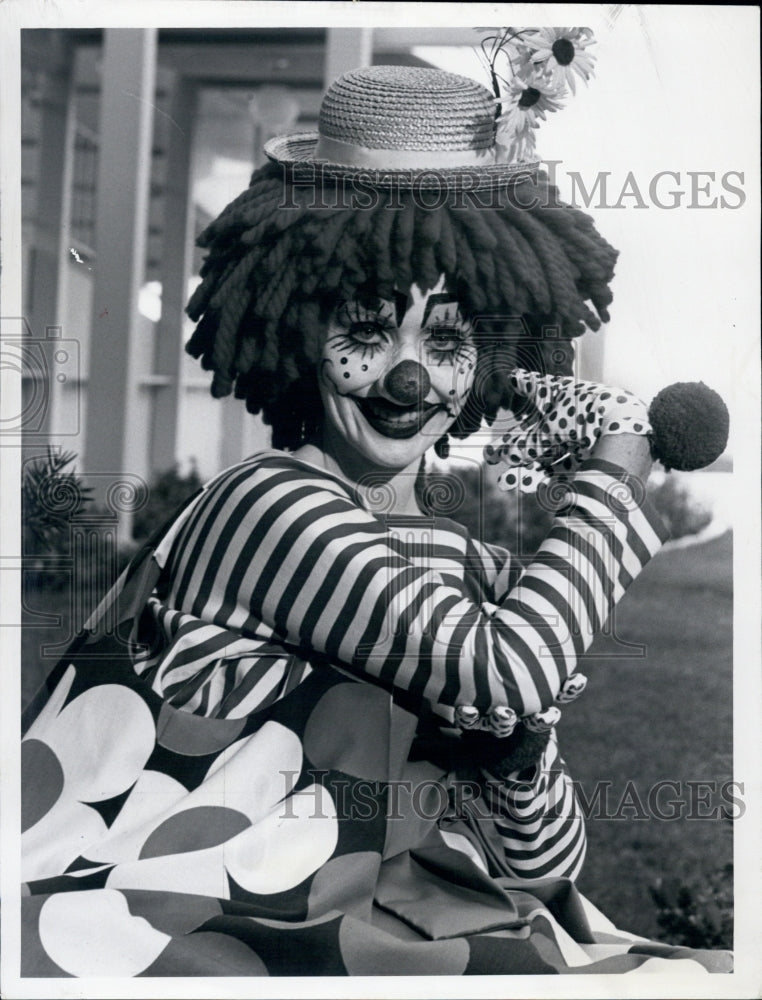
(528, 271)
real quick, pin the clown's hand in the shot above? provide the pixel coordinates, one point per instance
(557, 425)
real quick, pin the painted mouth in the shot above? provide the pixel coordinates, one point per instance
(396, 421)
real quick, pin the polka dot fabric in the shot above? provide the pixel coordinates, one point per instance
(558, 425)
(304, 839)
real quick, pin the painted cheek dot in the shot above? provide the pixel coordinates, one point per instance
(346, 374)
(343, 361)
(364, 368)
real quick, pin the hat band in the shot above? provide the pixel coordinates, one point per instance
(351, 154)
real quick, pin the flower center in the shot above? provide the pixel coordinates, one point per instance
(529, 97)
(563, 51)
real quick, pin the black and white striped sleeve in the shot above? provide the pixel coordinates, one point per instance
(538, 818)
(500, 567)
(294, 553)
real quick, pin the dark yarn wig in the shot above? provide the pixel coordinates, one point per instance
(281, 257)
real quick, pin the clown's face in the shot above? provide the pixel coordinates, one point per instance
(395, 374)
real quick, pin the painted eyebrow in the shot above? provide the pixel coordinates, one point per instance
(373, 304)
(439, 299)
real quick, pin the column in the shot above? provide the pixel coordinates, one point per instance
(177, 252)
(47, 284)
(346, 49)
(126, 116)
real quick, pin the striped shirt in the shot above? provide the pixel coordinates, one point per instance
(278, 565)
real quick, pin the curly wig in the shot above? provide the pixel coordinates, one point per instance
(282, 256)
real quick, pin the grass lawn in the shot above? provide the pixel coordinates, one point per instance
(661, 714)
(664, 714)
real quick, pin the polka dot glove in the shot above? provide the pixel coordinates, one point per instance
(558, 425)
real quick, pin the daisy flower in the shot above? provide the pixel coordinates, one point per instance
(561, 53)
(524, 106)
(518, 146)
(528, 101)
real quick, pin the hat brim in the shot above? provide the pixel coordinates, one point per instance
(296, 152)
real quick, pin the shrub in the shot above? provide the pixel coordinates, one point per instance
(53, 495)
(696, 915)
(519, 522)
(167, 492)
(680, 512)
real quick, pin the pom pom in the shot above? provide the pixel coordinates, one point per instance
(502, 757)
(690, 426)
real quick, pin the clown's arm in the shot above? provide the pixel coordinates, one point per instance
(537, 817)
(537, 814)
(346, 592)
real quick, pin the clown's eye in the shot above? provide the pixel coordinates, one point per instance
(445, 341)
(360, 328)
(366, 332)
(365, 337)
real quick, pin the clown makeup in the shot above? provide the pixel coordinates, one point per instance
(395, 374)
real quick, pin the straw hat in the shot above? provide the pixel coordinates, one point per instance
(405, 126)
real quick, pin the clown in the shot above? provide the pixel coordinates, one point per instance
(338, 753)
